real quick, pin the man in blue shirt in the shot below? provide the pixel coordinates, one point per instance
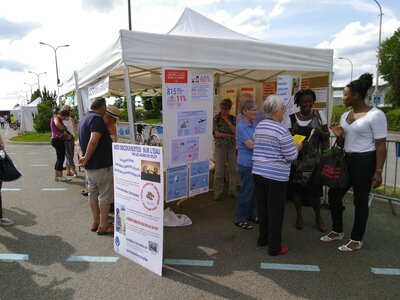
(96, 145)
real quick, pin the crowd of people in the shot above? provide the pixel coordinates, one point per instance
(271, 165)
(95, 144)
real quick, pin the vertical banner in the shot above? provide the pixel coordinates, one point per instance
(284, 90)
(305, 84)
(175, 89)
(139, 204)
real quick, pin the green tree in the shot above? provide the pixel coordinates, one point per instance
(46, 110)
(390, 64)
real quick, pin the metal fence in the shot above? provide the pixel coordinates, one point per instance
(390, 189)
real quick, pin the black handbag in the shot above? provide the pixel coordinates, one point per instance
(332, 169)
(8, 172)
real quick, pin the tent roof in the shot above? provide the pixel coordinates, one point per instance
(191, 23)
(196, 41)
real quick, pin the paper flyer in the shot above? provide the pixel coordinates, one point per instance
(139, 204)
(184, 150)
(177, 183)
(192, 122)
(201, 87)
(175, 89)
(199, 178)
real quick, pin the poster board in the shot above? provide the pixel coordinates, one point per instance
(139, 204)
(187, 120)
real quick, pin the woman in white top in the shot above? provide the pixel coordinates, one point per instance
(70, 145)
(362, 132)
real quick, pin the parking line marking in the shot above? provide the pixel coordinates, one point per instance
(10, 190)
(54, 189)
(189, 262)
(38, 165)
(13, 256)
(105, 259)
(30, 153)
(385, 271)
(290, 267)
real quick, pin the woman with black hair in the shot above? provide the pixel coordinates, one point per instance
(313, 125)
(362, 132)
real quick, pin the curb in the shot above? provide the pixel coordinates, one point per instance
(28, 143)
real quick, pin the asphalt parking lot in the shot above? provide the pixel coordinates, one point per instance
(211, 259)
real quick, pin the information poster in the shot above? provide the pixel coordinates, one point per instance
(139, 204)
(175, 89)
(177, 183)
(268, 89)
(199, 178)
(192, 122)
(201, 87)
(284, 90)
(184, 150)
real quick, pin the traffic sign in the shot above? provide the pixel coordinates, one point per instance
(377, 99)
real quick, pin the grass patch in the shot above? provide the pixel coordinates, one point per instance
(31, 137)
(389, 191)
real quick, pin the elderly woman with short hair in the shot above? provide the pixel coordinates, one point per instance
(246, 203)
(273, 152)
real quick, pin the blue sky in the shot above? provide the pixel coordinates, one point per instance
(349, 27)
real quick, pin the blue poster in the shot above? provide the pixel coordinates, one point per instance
(199, 178)
(177, 181)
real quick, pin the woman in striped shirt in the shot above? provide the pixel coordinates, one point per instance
(273, 152)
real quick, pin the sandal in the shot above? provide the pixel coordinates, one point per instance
(94, 227)
(355, 245)
(85, 193)
(108, 230)
(331, 236)
(253, 219)
(243, 224)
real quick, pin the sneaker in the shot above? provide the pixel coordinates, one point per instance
(283, 250)
(62, 179)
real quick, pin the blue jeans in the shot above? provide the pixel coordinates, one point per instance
(246, 201)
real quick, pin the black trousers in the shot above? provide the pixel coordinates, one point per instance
(59, 145)
(270, 198)
(361, 169)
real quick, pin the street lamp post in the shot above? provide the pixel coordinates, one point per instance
(55, 57)
(30, 85)
(37, 75)
(379, 48)
(351, 63)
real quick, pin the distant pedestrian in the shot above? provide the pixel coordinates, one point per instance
(96, 145)
(70, 144)
(2, 121)
(58, 131)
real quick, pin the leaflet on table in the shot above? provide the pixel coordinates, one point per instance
(175, 89)
(199, 177)
(192, 122)
(138, 196)
(177, 183)
(184, 150)
(201, 85)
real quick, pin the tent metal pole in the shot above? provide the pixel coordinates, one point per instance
(78, 96)
(130, 107)
(330, 99)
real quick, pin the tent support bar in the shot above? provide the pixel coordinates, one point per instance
(131, 108)
(78, 96)
(236, 76)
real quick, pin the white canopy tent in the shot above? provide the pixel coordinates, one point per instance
(134, 60)
(27, 114)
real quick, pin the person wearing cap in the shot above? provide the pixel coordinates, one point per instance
(111, 119)
(96, 145)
